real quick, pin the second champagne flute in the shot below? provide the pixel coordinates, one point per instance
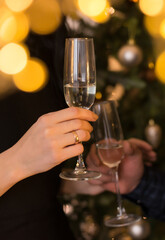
(109, 143)
(79, 90)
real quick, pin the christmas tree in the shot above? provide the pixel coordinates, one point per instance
(129, 46)
(129, 70)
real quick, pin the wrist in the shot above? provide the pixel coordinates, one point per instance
(10, 172)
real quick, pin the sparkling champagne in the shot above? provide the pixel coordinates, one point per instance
(80, 95)
(110, 154)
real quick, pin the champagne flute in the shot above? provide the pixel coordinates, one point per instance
(109, 137)
(79, 91)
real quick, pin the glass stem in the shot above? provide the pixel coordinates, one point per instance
(80, 165)
(120, 209)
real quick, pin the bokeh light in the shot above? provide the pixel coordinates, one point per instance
(98, 95)
(92, 8)
(7, 25)
(18, 5)
(13, 58)
(13, 27)
(45, 16)
(162, 28)
(33, 77)
(104, 16)
(69, 8)
(151, 7)
(151, 65)
(1, 2)
(159, 67)
(152, 24)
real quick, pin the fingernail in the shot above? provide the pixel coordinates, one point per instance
(95, 116)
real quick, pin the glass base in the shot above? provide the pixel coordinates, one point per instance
(121, 221)
(74, 175)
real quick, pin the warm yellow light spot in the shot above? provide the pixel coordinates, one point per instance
(8, 29)
(22, 23)
(7, 25)
(18, 5)
(13, 58)
(69, 8)
(13, 27)
(151, 7)
(152, 24)
(151, 65)
(33, 77)
(92, 8)
(162, 28)
(159, 67)
(104, 16)
(45, 16)
(1, 2)
(98, 95)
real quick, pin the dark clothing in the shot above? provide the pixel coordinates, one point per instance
(150, 194)
(30, 209)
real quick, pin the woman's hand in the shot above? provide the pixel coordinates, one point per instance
(131, 167)
(46, 144)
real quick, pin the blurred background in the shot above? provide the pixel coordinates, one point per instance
(129, 37)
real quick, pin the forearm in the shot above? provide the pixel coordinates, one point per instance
(9, 173)
(150, 194)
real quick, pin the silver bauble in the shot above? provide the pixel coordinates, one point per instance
(130, 55)
(139, 230)
(153, 133)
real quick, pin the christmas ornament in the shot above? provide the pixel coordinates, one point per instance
(116, 92)
(153, 133)
(89, 228)
(130, 55)
(139, 230)
(68, 209)
(114, 65)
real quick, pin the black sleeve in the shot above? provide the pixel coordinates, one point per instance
(150, 194)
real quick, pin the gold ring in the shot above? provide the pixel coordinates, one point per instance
(76, 138)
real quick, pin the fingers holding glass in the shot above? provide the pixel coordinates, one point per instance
(79, 91)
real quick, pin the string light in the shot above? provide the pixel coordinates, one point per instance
(14, 28)
(151, 7)
(162, 28)
(8, 26)
(159, 67)
(13, 58)
(104, 16)
(152, 24)
(98, 95)
(92, 8)
(45, 16)
(69, 8)
(18, 5)
(33, 77)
